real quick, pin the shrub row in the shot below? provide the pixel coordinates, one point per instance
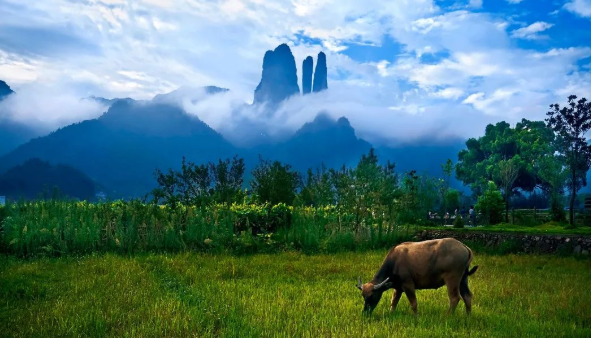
(63, 227)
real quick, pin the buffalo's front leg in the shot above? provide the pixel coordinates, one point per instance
(395, 299)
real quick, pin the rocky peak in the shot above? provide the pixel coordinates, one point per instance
(307, 69)
(320, 75)
(279, 78)
(4, 90)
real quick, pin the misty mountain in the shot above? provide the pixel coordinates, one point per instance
(12, 134)
(123, 147)
(191, 94)
(36, 178)
(5, 90)
(323, 140)
(106, 102)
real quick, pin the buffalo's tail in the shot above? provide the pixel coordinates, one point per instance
(470, 255)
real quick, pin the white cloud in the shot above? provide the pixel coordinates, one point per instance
(449, 93)
(476, 3)
(444, 80)
(48, 107)
(579, 7)
(513, 2)
(531, 32)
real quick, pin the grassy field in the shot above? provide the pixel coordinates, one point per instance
(280, 295)
(550, 228)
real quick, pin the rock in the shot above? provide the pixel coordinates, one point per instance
(4, 90)
(320, 74)
(577, 249)
(585, 253)
(279, 79)
(307, 69)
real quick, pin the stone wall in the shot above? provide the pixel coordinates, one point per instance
(578, 245)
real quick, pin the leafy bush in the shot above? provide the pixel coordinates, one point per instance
(557, 212)
(458, 222)
(66, 227)
(491, 205)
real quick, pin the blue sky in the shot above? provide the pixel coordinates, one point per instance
(399, 70)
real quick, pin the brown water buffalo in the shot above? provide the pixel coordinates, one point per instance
(414, 266)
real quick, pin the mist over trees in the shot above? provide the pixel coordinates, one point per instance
(536, 158)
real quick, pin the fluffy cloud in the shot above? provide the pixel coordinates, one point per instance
(475, 3)
(452, 70)
(579, 7)
(531, 32)
(46, 108)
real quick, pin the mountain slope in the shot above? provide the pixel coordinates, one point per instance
(122, 148)
(36, 177)
(323, 140)
(4, 90)
(14, 134)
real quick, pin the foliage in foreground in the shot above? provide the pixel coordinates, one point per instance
(282, 295)
(59, 228)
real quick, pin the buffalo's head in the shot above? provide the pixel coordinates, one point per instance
(372, 293)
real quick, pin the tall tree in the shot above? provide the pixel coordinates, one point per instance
(506, 174)
(522, 145)
(318, 189)
(554, 174)
(443, 185)
(571, 123)
(228, 178)
(275, 182)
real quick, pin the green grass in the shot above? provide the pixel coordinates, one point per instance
(550, 228)
(284, 295)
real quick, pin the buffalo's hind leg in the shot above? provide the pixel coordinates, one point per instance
(466, 293)
(395, 299)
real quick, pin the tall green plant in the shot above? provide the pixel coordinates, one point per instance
(491, 204)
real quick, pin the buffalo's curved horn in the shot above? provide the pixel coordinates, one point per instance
(359, 284)
(375, 287)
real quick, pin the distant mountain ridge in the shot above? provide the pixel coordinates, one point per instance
(35, 177)
(122, 148)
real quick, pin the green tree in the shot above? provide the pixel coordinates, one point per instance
(443, 186)
(188, 186)
(506, 174)
(553, 173)
(491, 204)
(228, 177)
(318, 189)
(571, 123)
(275, 182)
(518, 147)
